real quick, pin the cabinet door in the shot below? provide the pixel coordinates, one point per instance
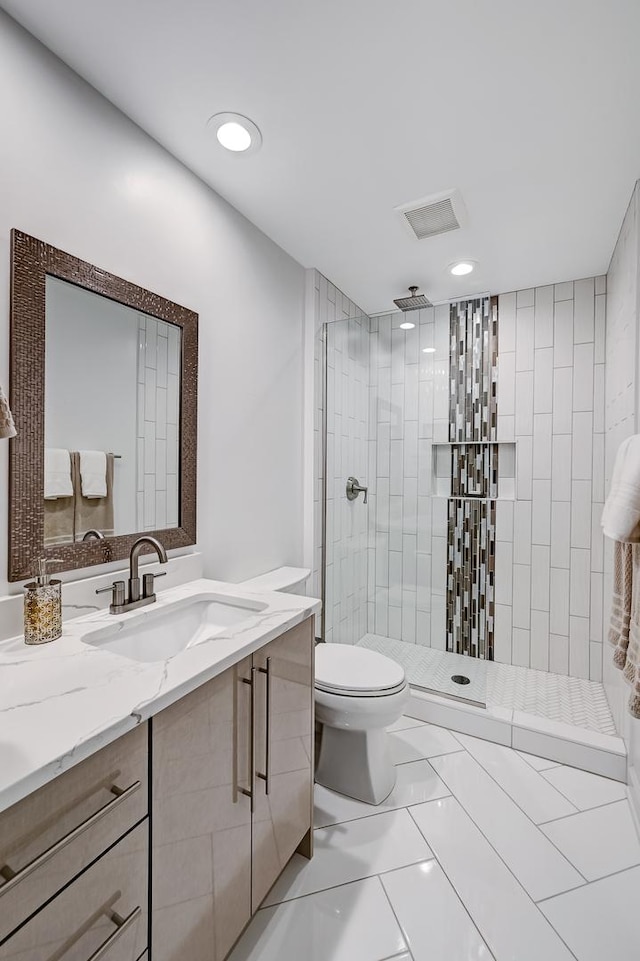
(283, 675)
(102, 914)
(201, 826)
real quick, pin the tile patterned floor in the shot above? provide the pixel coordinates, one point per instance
(569, 700)
(480, 853)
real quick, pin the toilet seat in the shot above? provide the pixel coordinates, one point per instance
(356, 672)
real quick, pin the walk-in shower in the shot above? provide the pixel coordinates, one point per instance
(476, 560)
(410, 571)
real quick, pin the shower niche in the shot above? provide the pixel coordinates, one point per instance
(473, 470)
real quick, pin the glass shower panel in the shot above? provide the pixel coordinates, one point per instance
(387, 395)
(345, 540)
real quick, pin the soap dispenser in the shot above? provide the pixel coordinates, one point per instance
(42, 606)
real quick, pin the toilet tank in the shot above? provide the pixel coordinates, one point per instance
(290, 580)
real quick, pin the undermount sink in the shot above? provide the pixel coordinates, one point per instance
(155, 635)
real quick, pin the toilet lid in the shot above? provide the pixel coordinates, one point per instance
(356, 670)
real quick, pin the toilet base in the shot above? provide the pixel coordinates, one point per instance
(356, 763)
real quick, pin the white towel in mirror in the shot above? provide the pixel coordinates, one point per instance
(93, 473)
(7, 427)
(57, 473)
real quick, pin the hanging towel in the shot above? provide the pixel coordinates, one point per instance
(7, 427)
(59, 515)
(93, 473)
(57, 473)
(621, 514)
(93, 513)
(631, 668)
(621, 602)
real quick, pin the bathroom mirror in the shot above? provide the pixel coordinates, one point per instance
(104, 394)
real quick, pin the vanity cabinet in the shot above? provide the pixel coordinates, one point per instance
(177, 830)
(232, 797)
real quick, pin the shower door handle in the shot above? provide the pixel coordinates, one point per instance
(354, 488)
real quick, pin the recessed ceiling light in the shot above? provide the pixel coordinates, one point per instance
(407, 326)
(234, 136)
(235, 132)
(461, 268)
(428, 350)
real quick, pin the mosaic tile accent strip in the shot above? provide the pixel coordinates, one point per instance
(471, 552)
(473, 370)
(471, 535)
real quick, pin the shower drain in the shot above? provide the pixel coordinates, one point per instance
(460, 679)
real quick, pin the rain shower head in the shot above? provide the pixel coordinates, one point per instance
(415, 302)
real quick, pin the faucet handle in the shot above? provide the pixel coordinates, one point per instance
(354, 488)
(148, 583)
(117, 593)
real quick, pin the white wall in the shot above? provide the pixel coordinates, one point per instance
(76, 173)
(622, 418)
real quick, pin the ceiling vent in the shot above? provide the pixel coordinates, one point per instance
(437, 214)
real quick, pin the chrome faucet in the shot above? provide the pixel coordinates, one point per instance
(129, 601)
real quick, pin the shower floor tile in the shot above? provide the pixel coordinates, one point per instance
(568, 700)
(432, 669)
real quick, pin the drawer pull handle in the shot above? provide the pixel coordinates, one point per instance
(12, 877)
(122, 924)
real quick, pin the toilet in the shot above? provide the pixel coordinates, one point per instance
(358, 693)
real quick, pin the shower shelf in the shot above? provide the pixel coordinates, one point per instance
(468, 497)
(475, 443)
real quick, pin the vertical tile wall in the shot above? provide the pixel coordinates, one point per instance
(549, 553)
(347, 356)
(158, 417)
(549, 549)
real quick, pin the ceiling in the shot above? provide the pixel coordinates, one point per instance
(529, 109)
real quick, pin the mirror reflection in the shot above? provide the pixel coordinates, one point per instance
(112, 414)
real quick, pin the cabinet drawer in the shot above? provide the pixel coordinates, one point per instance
(101, 915)
(49, 837)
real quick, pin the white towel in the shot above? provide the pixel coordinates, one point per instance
(621, 514)
(57, 473)
(7, 427)
(93, 473)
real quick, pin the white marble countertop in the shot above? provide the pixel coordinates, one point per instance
(63, 701)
